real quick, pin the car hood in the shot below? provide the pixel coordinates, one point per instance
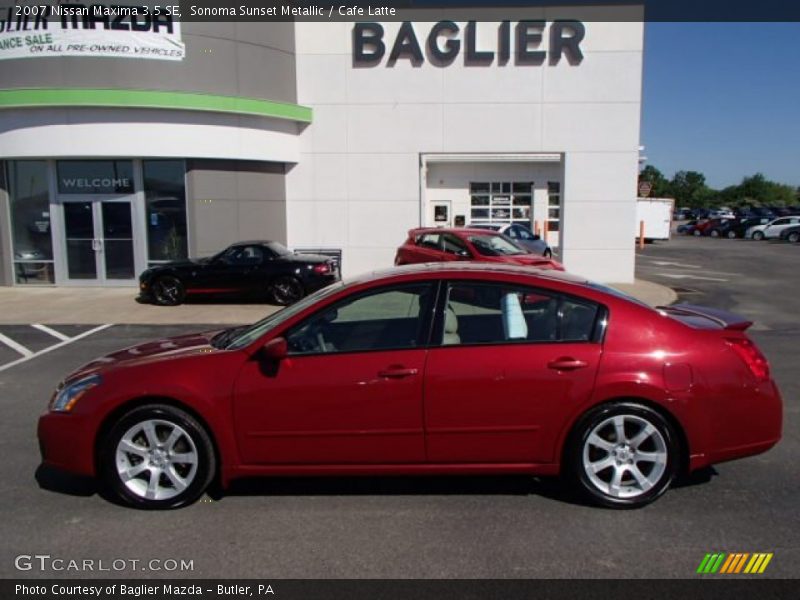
(172, 347)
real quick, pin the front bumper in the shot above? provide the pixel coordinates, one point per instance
(66, 442)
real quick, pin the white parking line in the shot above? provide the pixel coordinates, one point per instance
(16, 346)
(700, 277)
(50, 331)
(33, 355)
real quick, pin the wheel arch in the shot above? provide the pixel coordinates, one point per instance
(683, 441)
(108, 421)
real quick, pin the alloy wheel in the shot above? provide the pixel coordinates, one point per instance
(625, 456)
(156, 459)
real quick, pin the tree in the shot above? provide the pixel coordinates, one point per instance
(661, 185)
(689, 189)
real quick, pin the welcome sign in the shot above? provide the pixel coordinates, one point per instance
(74, 29)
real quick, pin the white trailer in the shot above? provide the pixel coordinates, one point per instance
(654, 217)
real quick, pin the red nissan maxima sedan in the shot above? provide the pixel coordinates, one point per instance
(448, 368)
(439, 244)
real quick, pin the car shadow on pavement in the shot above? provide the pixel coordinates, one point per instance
(54, 480)
(551, 488)
(501, 485)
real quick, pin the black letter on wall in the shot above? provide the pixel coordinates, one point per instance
(569, 45)
(368, 35)
(473, 55)
(443, 57)
(530, 32)
(406, 46)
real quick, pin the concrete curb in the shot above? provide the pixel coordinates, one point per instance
(649, 292)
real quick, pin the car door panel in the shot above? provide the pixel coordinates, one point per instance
(353, 408)
(502, 403)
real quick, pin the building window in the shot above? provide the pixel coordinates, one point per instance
(165, 210)
(553, 205)
(501, 202)
(30, 222)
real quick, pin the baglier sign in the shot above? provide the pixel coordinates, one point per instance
(28, 31)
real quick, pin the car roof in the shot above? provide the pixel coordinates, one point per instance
(453, 230)
(449, 269)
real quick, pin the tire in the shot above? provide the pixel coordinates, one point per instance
(794, 237)
(714, 233)
(157, 457)
(286, 290)
(731, 235)
(622, 481)
(168, 291)
(758, 235)
(697, 233)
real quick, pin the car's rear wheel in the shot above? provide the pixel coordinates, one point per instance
(697, 233)
(715, 233)
(157, 456)
(793, 237)
(731, 235)
(758, 236)
(168, 291)
(622, 455)
(286, 290)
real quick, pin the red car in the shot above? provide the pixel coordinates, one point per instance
(437, 244)
(437, 369)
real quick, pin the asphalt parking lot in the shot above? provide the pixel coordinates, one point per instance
(478, 527)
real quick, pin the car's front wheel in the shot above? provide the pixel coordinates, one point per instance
(697, 233)
(758, 236)
(168, 291)
(286, 291)
(157, 456)
(731, 235)
(622, 455)
(793, 237)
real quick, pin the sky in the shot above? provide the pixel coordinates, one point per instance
(723, 99)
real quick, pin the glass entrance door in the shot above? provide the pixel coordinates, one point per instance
(98, 234)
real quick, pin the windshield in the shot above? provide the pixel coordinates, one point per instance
(244, 336)
(495, 245)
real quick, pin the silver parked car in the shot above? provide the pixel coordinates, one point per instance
(522, 235)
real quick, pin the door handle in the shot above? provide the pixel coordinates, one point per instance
(567, 363)
(397, 372)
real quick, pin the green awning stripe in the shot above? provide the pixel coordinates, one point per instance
(77, 97)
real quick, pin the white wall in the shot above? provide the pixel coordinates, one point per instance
(357, 186)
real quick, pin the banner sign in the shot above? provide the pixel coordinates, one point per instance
(72, 29)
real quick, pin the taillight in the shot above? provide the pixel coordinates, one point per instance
(322, 269)
(752, 357)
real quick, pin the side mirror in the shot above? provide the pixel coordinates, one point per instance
(464, 255)
(276, 349)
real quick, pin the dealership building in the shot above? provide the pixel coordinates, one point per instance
(122, 148)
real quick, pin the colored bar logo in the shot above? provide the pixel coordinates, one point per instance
(735, 563)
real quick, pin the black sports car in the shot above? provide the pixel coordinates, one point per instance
(254, 270)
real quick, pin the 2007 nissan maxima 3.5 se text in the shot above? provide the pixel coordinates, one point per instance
(428, 369)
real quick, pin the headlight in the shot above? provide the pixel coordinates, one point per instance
(66, 398)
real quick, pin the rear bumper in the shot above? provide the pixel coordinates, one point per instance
(746, 425)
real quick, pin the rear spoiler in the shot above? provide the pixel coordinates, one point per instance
(723, 318)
